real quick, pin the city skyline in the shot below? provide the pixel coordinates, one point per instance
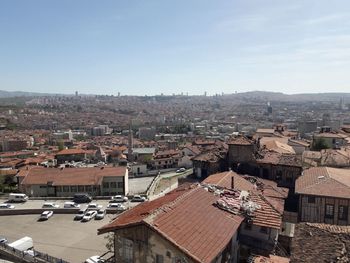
(159, 47)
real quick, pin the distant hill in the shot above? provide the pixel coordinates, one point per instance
(11, 94)
(279, 96)
(250, 95)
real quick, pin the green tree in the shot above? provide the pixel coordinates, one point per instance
(319, 144)
(60, 145)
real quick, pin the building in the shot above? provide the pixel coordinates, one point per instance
(241, 150)
(182, 226)
(281, 168)
(258, 234)
(71, 155)
(97, 181)
(207, 163)
(324, 195)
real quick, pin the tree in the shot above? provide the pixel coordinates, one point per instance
(60, 145)
(319, 144)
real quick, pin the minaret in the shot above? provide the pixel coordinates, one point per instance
(130, 157)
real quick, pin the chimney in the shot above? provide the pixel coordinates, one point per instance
(232, 182)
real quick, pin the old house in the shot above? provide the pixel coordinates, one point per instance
(241, 150)
(185, 225)
(258, 234)
(281, 168)
(324, 195)
(166, 159)
(207, 163)
(40, 181)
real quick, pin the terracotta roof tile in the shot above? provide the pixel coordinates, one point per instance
(68, 176)
(186, 217)
(324, 181)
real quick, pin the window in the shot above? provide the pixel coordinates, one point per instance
(58, 189)
(159, 258)
(88, 188)
(343, 212)
(120, 184)
(65, 189)
(329, 211)
(263, 230)
(105, 185)
(113, 185)
(73, 189)
(127, 250)
(311, 199)
(80, 188)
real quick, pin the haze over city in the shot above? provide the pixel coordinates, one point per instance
(154, 47)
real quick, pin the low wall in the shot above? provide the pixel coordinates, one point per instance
(38, 211)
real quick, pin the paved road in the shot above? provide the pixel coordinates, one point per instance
(60, 236)
(139, 185)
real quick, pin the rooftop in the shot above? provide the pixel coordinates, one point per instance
(68, 176)
(324, 181)
(186, 217)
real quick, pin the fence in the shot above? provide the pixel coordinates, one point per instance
(22, 256)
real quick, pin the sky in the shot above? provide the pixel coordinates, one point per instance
(162, 46)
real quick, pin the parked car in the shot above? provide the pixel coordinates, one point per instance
(119, 198)
(117, 206)
(14, 197)
(94, 206)
(6, 206)
(82, 198)
(3, 240)
(100, 214)
(70, 205)
(138, 198)
(95, 259)
(50, 205)
(80, 214)
(89, 215)
(181, 170)
(45, 215)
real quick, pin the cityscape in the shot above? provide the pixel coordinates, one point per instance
(174, 132)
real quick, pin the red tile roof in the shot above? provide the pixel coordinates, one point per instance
(187, 218)
(324, 181)
(68, 176)
(225, 180)
(71, 151)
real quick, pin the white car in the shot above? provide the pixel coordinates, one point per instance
(181, 170)
(94, 206)
(119, 198)
(45, 215)
(116, 206)
(80, 214)
(89, 215)
(6, 206)
(50, 205)
(138, 198)
(70, 205)
(100, 214)
(95, 259)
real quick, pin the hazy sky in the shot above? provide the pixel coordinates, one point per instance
(163, 46)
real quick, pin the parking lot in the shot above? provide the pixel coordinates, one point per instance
(60, 236)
